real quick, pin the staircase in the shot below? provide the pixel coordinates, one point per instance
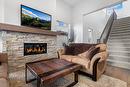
(119, 43)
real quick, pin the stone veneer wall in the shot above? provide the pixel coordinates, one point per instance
(13, 44)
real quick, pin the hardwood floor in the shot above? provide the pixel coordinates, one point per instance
(120, 73)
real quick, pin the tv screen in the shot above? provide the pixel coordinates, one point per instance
(34, 18)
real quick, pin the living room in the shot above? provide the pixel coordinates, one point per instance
(45, 43)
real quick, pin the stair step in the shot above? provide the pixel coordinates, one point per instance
(118, 58)
(121, 34)
(119, 53)
(115, 32)
(114, 48)
(123, 19)
(119, 40)
(121, 24)
(120, 37)
(123, 56)
(125, 65)
(120, 29)
(118, 43)
(118, 48)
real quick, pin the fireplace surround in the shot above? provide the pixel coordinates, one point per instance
(13, 44)
(35, 48)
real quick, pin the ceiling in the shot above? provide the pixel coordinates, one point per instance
(72, 2)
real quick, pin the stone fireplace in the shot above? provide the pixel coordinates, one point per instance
(15, 40)
(35, 48)
(13, 43)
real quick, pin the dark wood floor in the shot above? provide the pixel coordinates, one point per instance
(119, 73)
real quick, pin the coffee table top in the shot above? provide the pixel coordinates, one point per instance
(51, 68)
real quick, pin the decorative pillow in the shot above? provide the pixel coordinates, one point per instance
(90, 53)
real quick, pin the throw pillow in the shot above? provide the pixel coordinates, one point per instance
(92, 51)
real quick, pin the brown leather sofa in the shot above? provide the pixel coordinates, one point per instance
(4, 70)
(93, 68)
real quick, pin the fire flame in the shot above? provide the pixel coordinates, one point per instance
(35, 49)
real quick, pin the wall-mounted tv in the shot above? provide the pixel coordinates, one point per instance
(34, 18)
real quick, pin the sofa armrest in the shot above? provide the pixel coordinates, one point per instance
(60, 52)
(3, 57)
(97, 67)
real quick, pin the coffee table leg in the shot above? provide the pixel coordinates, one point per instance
(38, 82)
(75, 79)
(26, 74)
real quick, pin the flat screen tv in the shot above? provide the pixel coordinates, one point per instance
(34, 18)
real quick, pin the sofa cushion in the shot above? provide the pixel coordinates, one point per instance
(82, 61)
(83, 55)
(102, 47)
(4, 82)
(68, 57)
(80, 47)
(3, 70)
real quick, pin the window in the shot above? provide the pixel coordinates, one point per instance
(61, 24)
(115, 7)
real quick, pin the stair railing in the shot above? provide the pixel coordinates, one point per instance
(106, 32)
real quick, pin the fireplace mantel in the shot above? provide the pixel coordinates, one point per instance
(23, 29)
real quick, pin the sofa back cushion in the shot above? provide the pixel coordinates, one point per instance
(69, 50)
(79, 48)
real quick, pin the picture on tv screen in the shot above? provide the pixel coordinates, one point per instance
(34, 18)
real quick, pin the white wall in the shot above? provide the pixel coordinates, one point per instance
(63, 11)
(1, 11)
(12, 9)
(125, 11)
(95, 21)
(83, 8)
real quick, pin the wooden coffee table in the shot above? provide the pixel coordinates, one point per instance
(46, 71)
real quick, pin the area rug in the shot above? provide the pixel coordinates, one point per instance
(17, 79)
